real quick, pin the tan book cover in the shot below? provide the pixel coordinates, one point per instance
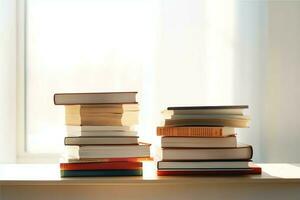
(101, 109)
(195, 131)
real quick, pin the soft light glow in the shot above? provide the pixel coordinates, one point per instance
(149, 170)
(82, 46)
(282, 170)
(172, 52)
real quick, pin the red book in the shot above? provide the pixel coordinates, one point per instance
(216, 172)
(101, 166)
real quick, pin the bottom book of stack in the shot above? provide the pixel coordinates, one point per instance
(166, 168)
(107, 167)
(207, 161)
(103, 156)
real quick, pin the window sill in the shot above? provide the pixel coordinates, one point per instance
(48, 174)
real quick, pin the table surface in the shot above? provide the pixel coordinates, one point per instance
(49, 174)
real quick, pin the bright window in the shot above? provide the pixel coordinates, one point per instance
(81, 46)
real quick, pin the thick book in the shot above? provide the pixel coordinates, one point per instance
(204, 165)
(195, 131)
(229, 122)
(241, 152)
(101, 108)
(101, 166)
(199, 142)
(95, 173)
(99, 128)
(211, 172)
(108, 151)
(101, 133)
(95, 98)
(100, 140)
(111, 119)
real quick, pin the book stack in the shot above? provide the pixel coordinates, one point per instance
(101, 137)
(202, 141)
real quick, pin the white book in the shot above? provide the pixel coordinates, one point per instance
(204, 165)
(199, 142)
(108, 151)
(100, 140)
(99, 128)
(102, 134)
(241, 152)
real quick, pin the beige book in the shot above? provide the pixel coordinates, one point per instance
(193, 131)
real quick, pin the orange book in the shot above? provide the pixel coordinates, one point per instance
(101, 166)
(195, 131)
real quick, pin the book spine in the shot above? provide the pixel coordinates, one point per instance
(190, 131)
(101, 166)
(94, 173)
(253, 170)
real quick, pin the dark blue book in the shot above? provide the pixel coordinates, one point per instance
(94, 173)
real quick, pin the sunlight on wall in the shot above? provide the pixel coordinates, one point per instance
(196, 54)
(219, 54)
(173, 52)
(283, 170)
(82, 46)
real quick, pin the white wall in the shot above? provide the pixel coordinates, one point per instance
(250, 50)
(281, 96)
(7, 81)
(211, 53)
(209, 56)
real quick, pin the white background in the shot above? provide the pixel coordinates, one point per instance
(206, 52)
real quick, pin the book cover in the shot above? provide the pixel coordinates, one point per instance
(95, 173)
(208, 107)
(101, 166)
(95, 98)
(193, 131)
(210, 172)
(241, 152)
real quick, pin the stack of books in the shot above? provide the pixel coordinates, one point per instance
(101, 135)
(202, 140)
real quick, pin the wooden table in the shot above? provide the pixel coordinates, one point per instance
(42, 181)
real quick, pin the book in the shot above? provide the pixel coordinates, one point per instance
(101, 165)
(93, 160)
(128, 119)
(174, 117)
(224, 107)
(204, 165)
(230, 122)
(95, 98)
(100, 140)
(101, 108)
(199, 142)
(194, 131)
(108, 151)
(94, 173)
(190, 111)
(241, 152)
(101, 133)
(211, 172)
(99, 128)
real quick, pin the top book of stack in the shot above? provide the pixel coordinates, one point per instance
(95, 98)
(217, 116)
